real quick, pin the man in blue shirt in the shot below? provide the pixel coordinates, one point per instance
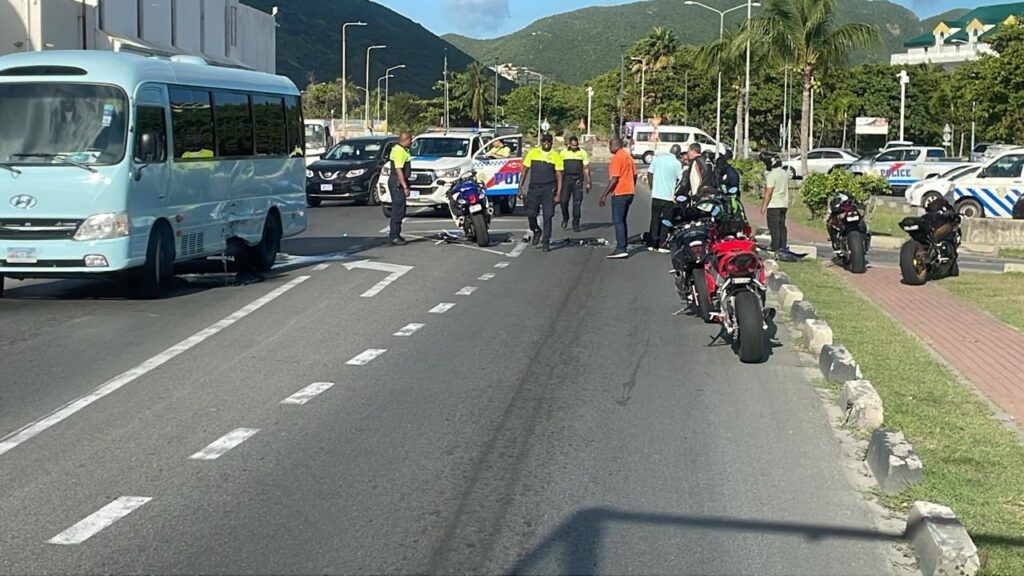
(663, 178)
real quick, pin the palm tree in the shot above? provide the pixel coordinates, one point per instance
(805, 33)
(473, 92)
(657, 48)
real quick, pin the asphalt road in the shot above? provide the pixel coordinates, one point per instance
(557, 418)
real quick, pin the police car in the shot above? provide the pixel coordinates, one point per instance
(993, 191)
(440, 158)
(924, 191)
(903, 167)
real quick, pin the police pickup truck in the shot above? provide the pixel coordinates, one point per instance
(904, 166)
(439, 158)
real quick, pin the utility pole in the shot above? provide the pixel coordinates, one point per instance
(387, 89)
(746, 91)
(643, 87)
(904, 79)
(495, 93)
(686, 98)
(344, 80)
(785, 109)
(622, 84)
(590, 108)
(446, 90)
(974, 108)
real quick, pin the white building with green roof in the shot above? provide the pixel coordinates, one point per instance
(954, 42)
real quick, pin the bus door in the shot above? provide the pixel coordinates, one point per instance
(150, 181)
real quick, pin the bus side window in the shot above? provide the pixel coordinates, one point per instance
(296, 130)
(151, 120)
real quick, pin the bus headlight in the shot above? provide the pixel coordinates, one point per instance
(103, 227)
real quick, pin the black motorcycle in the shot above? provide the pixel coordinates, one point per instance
(931, 251)
(849, 234)
(691, 229)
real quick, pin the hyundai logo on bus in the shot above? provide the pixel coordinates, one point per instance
(23, 202)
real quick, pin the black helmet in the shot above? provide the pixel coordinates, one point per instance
(934, 203)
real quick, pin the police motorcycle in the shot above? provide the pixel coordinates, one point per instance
(931, 251)
(470, 209)
(848, 231)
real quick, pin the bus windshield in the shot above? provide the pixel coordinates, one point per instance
(45, 123)
(360, 151)
(440, 147)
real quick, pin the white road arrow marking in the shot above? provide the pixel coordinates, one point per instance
(395, 271)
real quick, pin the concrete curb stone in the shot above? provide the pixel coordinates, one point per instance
(776, 280)
(837, 364)
(788, 295)
(817, 334)
(1011, 267)
(893, 461)
(861, 404)
(887, 242)
(942, 544)
(802, 310)
(770, 266)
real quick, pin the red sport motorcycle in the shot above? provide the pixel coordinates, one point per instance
(736, 294)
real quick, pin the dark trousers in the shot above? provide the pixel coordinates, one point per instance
(397, 212)
(777, 228)
(572, 191)
(537, 197)
(620, 215)
(660, 210)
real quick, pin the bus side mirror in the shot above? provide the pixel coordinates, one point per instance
(146, 148)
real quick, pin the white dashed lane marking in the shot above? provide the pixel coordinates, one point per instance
(308, 393)
(517, 250)
(366, 357)
(442, 308)
(486, 277)
(13, 440)
(502, 264)
(320, 267)
(409, 330)
(98, 520)
(220, 446)
(466, 291)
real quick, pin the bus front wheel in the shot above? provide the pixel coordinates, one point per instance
(159, 266)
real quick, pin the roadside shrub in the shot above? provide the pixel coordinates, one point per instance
(751, 176)
(819, 188)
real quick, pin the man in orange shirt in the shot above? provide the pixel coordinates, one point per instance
(621, 187)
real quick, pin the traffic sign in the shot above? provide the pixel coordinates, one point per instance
(545, 126)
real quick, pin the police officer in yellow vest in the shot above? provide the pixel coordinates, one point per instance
(398, 186)
(544, 168)
(577, 176)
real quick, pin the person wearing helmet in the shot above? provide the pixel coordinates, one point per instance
(728, 177)
(832, 223)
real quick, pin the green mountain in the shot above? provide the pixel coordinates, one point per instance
(576, 46)
(309, 40)
(928, 24)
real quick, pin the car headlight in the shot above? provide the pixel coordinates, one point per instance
(452, 173)
(309, 173)
(355, 173)
(103, 227)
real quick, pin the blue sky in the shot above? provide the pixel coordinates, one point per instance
(490, 18)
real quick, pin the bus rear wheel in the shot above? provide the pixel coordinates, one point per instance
(261, 257)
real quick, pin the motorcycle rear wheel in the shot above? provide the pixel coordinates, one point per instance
(855, 244)
(483, 237)
(750, 321)
(912, 263)
(700, 284)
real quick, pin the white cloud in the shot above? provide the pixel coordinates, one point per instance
(478, 17)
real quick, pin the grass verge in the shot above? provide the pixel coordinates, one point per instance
(1001, 295)
(883, 220)
(1011, 253)
(972, 462)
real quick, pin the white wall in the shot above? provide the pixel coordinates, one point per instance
(254, 25)
(13, 22)
(187, 26)
(214, 27)
(121, 17)
(156, 22)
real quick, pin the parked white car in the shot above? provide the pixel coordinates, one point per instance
(648, 141)
(819, 161)
(939, 186)
(994, 190)
(902, 167)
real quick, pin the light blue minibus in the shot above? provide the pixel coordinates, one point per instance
(119, 164)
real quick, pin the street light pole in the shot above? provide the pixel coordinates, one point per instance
(721, 34)
(495, 93)
(590, 109)
(643, 82)
(387, 89)
(904, 79)
(374, 47)
(540, 101)
(379, 80)
(344, 79)
(622, 85)
(746, 92)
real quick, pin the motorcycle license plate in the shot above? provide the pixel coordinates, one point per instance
(741, 280)
(22, 256)
(853, 218)
(327, 187)
(476, 208)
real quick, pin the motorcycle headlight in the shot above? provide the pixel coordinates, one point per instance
(355, 173)
(309, 173)
(452, 173)
(103, 227)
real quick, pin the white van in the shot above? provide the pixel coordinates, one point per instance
(648, 140)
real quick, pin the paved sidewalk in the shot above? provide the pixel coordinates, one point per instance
(980, 347)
